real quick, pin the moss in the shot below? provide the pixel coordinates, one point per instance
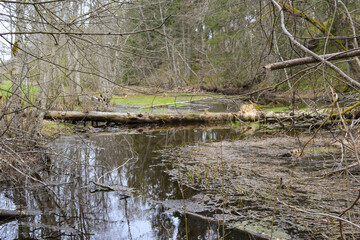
(258, 124)
(277, 109)
(148, 100)
(235, 124)
(321, 150)
(156, 110)
(52, 129)
(263, 227)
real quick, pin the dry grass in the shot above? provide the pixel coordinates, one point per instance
(264, 174)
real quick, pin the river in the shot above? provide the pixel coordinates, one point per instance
(70, 208)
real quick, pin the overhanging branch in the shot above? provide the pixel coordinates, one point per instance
(307, 60)
(311, 53)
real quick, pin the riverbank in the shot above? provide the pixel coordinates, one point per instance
(260, 183)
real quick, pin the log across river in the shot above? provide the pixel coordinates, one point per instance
(140, 118)
(143, 118)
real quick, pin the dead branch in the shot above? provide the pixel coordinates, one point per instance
(347, 209)
(104, 187)
(320, 214)
(342, 169)
(308, 60)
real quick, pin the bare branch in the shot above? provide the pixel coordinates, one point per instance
(85, 33)
(31, 3)
(316, 56)
(307, 60)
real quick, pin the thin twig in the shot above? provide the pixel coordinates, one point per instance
(347, 209)
(106, 187)
(85, 33)
(320, 214)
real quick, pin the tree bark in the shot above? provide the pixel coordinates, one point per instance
(124, 118)
(16, 75)
(243, 115)
(307, 60)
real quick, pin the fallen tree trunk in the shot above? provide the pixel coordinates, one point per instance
(307, 60)
(127, 118)
(246, 113)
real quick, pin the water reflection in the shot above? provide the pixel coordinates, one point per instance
(70, 211)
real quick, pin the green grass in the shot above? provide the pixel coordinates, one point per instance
(277, 109)
(321, 150)
(149, 100)
(5, 89)
(33, 90)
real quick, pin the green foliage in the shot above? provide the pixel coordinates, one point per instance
(6, 87)
(277, 109)
(15, 48)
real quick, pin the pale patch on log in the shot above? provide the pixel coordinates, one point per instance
(248, 112)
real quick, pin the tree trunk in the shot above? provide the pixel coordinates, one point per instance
(16, 82)
(245, 114)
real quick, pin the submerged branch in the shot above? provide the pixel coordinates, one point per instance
(5, 213)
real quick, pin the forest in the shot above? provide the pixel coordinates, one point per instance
(179, 119)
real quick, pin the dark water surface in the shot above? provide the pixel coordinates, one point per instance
(118, 159)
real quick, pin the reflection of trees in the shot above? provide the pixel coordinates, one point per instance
(80, 213)
(19, 199)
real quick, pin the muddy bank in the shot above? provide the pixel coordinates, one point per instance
(257, 182)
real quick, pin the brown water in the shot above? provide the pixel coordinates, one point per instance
(118, 159)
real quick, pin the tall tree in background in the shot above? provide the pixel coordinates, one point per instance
(62, 50)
